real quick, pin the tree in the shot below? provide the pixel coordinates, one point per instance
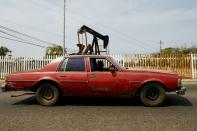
(4, 50)
(54, 50)
(192, 49)
(171, 50)
(182, 50)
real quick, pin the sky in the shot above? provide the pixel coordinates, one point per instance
(133, 26)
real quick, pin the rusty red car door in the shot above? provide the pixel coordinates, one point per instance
(73, 77)
(101, 81)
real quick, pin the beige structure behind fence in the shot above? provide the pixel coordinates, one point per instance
(183, 64)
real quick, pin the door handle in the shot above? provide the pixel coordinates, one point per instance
(92, 75)
(61, 76)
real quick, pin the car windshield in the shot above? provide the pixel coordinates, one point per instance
(119, 65)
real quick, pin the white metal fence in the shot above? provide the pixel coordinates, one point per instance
(185, 65)
(18, 64)
(194, 65)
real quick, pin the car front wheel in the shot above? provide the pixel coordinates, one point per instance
(47, 95)
(152, 94)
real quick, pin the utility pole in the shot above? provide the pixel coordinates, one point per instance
(64, 32)
(160, 45)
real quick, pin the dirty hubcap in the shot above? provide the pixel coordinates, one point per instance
(152, 93)
(47, 93)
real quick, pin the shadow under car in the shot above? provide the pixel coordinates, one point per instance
(171, 100)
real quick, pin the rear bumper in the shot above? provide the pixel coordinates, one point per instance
(9, 87)
(181, 90)
(3, 88)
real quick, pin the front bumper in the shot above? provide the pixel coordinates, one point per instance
(181, 90)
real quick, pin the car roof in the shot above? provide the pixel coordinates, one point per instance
(97, 56)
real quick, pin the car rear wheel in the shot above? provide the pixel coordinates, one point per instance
(47, 94)
(152, 94)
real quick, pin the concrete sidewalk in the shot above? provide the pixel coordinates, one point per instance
(2, 81)
(189, 81)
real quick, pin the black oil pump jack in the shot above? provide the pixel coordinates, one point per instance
(94, 47)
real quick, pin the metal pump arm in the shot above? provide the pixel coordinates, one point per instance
(96, 36)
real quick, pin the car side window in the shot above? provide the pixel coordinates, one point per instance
(100, 64)
(73, 64)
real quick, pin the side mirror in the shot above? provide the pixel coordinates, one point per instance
(112, 69)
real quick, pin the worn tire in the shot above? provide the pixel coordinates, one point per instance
(152, 94)
(47, 94)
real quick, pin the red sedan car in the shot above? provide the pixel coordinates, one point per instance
(93, 75)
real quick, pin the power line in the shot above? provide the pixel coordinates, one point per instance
(125, 37)
(26, 35)
(19, 37)
(31, 27)
(12, 35)
(103, 26)
(24, 41)
(29, 43)
(51, 43)
(54, 11)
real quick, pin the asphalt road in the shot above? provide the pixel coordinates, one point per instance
(105, 114)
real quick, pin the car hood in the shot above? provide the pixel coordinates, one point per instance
(152, 71)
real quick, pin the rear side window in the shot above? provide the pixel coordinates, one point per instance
(73, 64)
